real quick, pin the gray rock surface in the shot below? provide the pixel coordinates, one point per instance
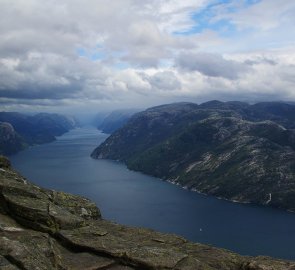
(45, 229)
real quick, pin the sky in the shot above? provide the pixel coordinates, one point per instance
(91, 55)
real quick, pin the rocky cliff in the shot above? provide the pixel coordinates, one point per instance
(116, 120)
(10, 141)
(45, 229)
(20, 130)
(232, 150)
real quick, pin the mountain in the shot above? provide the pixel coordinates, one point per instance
(231, 150)
(45, 229)
(115, 120)
(19, 130)
(10, 141)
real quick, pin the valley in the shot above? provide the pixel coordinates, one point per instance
(231, 150)
(134, 199)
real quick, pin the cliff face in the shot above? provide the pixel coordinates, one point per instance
(230, 150)
(19, 130)
(116, 120)
(45, 229)
(10, 141)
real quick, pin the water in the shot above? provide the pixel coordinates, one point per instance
(132, 198)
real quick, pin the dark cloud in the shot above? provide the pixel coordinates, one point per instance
(40, 78)
(212, 65)
(68, 53)
(260, 60)
(165, 80)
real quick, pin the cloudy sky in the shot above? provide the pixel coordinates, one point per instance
(88, 55)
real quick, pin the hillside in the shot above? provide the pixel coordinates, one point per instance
(115, 120)
(45, 229)
(20, 130)
(232, 150)
(10, 141)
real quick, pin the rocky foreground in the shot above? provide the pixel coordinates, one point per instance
(45, 229)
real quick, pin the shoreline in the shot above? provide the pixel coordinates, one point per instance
(174, 182)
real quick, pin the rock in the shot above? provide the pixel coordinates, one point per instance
(6, 265)
(4, 163)
(10, 141)
(231, 150)
(45, 229)
(18, 130)
(115, 120)
(42, 209)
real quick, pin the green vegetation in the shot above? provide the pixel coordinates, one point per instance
(231, 150)
(17, 130)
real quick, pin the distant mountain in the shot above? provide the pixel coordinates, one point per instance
(10, 141)
(232, 150)
(115, 120)
(19, 130)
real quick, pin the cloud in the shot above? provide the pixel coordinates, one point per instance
(40, 76)
(164, 80)
(106, 53)
(266, 81)
(212, 65)
(263, 15)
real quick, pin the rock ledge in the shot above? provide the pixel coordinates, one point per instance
(44, 229)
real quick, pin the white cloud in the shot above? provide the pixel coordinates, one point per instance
(264, 15)
(70, 52)
(212, 65)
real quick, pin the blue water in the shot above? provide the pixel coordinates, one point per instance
(132, 198)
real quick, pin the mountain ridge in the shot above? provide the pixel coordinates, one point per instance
(25, 130)
(115, 120)
(216, 148)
